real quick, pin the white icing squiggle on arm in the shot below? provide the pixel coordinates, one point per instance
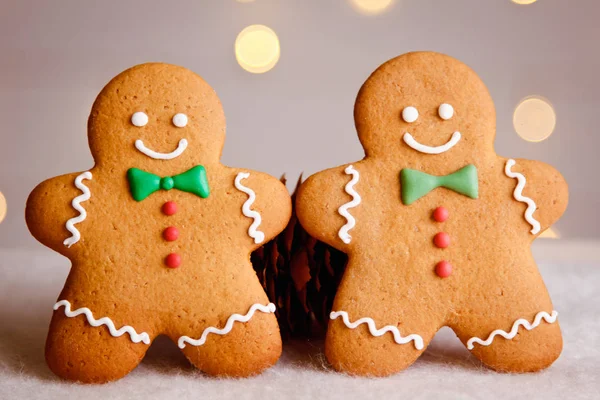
(257, 235)
(343, 210)
(518, 195)
(270, 308)
(76, 203)
(515, 328)
(398, 338)
(135, 337)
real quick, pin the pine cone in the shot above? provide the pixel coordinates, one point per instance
(300, 275)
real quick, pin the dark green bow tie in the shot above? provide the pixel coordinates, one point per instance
(416, 184)
(142, 184)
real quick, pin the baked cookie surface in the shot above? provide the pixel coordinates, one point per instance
(437, 227)
(159, 233)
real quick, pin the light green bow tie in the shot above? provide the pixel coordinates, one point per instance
(416, 184)
(142, 184)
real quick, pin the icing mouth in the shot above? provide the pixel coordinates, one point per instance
(409, 140)
(139, 144)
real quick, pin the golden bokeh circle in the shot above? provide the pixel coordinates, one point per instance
(2, 207)
(523, 2)
(534, 119)
(257, 49)
(371, 7)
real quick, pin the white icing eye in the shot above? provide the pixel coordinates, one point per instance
(410, 114)
(139, 118)
(180, 120)
(446, 111)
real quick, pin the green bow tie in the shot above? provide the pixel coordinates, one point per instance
(142, 184)
(416, 184)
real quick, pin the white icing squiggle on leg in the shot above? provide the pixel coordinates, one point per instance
(135, 337)
(270, 308)
(343, 210)
(255, 234)
(515, 329)
(398, 338)
(76, 203)
(518, 195)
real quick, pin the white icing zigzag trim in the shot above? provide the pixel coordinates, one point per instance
(515, 328)
(518, 195)
(76, 203)
(270, 308)
(409, 140)
(257, 235)
(378, 332)
(139, 144)
(343, 210)
(135, 337)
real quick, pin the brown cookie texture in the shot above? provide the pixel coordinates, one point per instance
(437, 227)
(159, 234)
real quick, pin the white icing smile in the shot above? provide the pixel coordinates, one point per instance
(139, 144)
(409, 140)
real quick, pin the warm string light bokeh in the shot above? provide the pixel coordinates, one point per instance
(372, 7)
(257, 49)
(550, 233)
(2, 207)
(534, 119)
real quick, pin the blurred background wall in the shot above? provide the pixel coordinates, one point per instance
(55, 56)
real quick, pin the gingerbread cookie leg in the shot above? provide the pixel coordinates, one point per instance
(222, 350)
(377, 336)
(513, 328)
(237, 340)
(89, 348)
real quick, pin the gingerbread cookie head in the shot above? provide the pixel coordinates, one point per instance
(157, 112)
(421, 104)
(437, 227)
(160, 234)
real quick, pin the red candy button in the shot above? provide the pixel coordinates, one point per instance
(171, 234)
(443, 269)
(441, 240)
(440, 214)
(173, 260)
(169, 208)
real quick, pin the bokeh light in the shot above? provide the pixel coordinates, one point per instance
(371, 7)
(257, 49)
(534, 119)
(2, 207)
(523, 2)
(550, 233)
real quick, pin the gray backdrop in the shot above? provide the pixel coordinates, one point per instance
(55, 56)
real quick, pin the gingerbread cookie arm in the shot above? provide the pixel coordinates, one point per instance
(541, 188)
(267, 204)
(56, 208)
(326, 204)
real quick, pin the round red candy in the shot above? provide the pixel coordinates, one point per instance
(169, 208)
(171, 234)
(173, 260)
(441, 240)
(441, 214)
(443, 269)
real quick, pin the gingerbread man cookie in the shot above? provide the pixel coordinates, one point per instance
(436, 226)
(159, 233)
